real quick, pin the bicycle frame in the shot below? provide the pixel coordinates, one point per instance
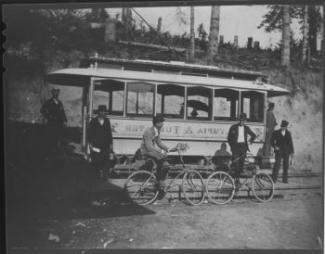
(179, 174)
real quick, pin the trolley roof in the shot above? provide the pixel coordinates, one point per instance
(173, 66)
(81, 77)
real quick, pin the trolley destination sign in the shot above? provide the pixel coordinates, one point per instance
(178, 130)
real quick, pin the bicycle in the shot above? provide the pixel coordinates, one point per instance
(141, 185)
(221, 187)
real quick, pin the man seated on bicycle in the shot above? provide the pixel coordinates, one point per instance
(151, 138)
(238, 141)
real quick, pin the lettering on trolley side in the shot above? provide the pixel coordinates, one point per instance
(216, 132)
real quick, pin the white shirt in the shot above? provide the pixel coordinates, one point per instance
(101, 121)
(283, 133)
(156, 131)
(241, 138)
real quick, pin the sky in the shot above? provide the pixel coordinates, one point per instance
(234, 20)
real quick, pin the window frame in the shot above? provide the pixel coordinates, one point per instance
(263, 110)
(162, 111)
(110, 111)
(237, 107)
(127, 84)
(210, 104)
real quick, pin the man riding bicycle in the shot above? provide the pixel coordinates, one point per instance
(150, 148)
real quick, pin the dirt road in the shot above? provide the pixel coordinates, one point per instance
(50, 205)
(294, 221)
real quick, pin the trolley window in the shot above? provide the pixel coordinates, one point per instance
(109, 93)
(253, 106)
(170, 100)
(225, 104)
(199, 103)
(140, 99)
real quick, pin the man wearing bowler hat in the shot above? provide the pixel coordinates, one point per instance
(101, 141)
(237, 139)
(281, 141)
(53, 112)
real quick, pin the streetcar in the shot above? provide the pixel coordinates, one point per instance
(199, 102)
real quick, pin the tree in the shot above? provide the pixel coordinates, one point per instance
(305, 28)
(192, 36)
(273, 21)
(202, 34)
(214, 33)
(45, 28)
(159, 25)
(181, 16)
(127, 22)
(97, 15)
(285, 60)
(314, 26)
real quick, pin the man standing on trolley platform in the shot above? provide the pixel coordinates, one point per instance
(281, 141)
(53, 112)
(151, 138)
(237, 139)
(101, 141)
(270, 125)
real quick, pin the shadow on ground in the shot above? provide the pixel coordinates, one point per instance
(41, 189)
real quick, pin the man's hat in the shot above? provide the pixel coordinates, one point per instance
(284, 123)
(55, 90)
(271, 104)
(101, 109)
(242, 116)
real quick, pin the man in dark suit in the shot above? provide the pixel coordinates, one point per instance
(270, 126)
(53, 112)
(101, 141)
(151, 147)
(237, 139)
(281, 141)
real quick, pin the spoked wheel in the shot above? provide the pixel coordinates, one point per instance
(141, 187)
(263, 187)
(220, 188)
(193, 187)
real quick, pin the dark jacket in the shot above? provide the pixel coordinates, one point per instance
(284, 143)
(53, 113)
(233, 135)
(270, 121)
(100, 136)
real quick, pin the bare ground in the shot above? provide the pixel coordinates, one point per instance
(55, 200)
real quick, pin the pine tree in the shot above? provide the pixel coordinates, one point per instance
(192, 36)
(285, 60)
(214, 33)
(305, 57)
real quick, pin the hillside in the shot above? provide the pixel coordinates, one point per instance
(302, 108)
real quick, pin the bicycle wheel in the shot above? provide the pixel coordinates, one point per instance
(193, 187)
(220, 188)
(263, 187)
(141, 187)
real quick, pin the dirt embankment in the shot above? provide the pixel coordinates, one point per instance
(303, 109)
